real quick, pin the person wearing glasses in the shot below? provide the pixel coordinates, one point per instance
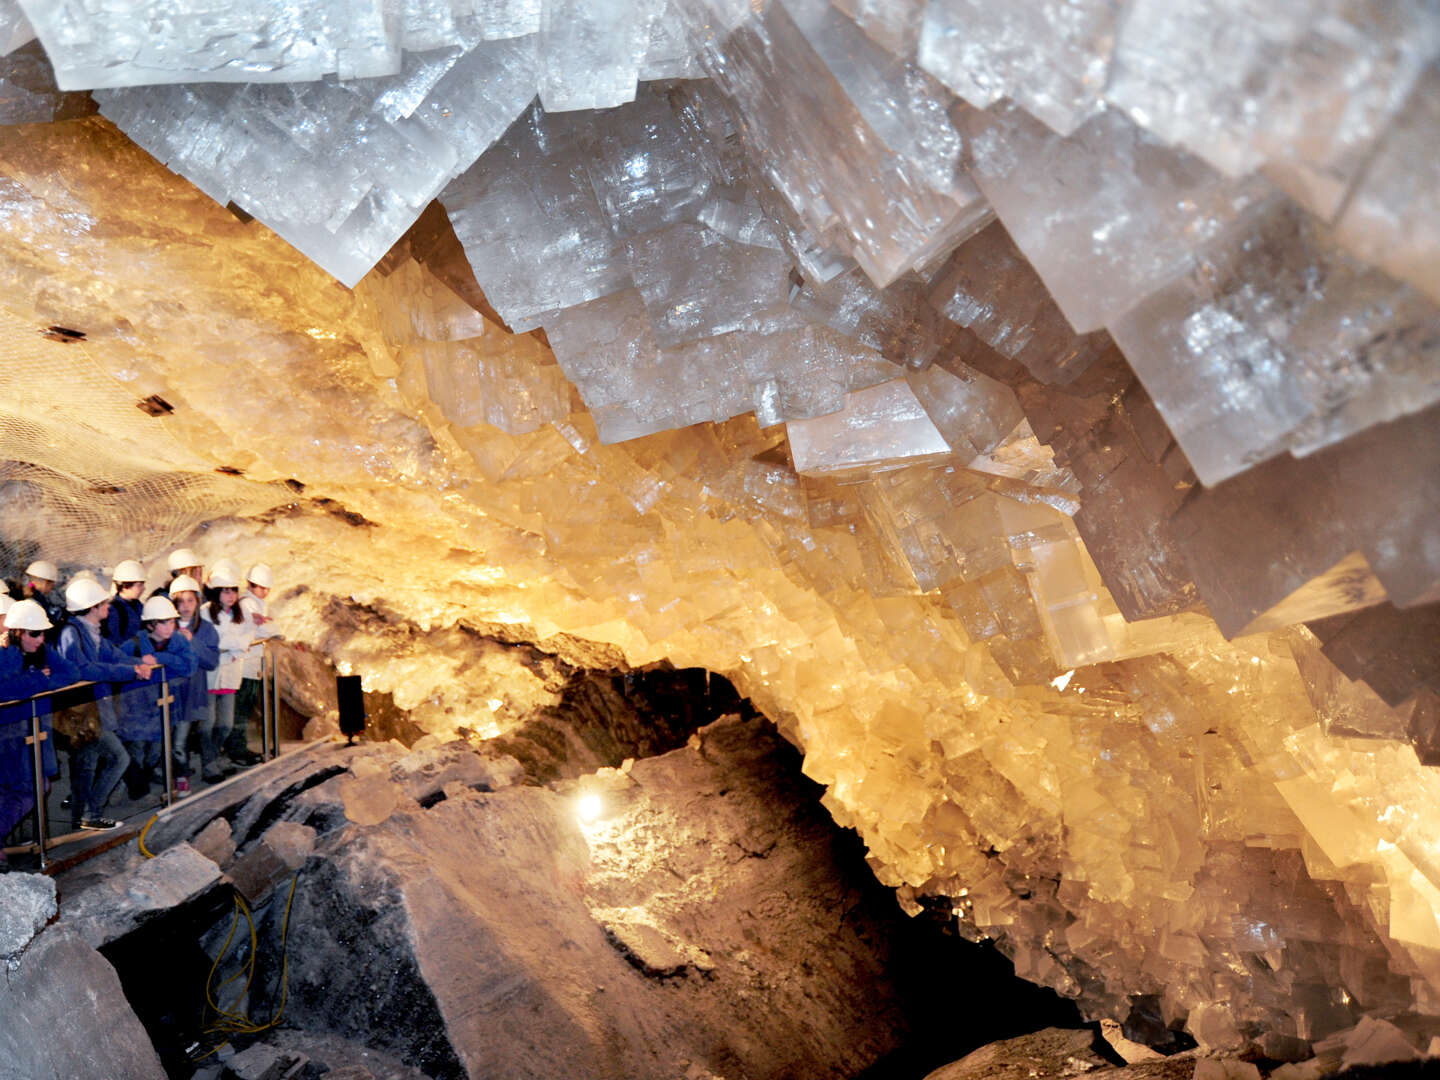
(27, 667)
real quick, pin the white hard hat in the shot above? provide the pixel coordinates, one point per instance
(27, 615)
(84, 575)
(184, 583)
(158, 608)
(43, 569)
(260, 575)
(222, 577)
(182, 558)
(129, 572)
(82, 594)
(6, 602)
(225, 566)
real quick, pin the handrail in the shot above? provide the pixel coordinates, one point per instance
(270, 737)
(57, 690)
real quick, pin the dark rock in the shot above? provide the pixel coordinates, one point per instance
(148, 888)
(27, 903)
(334, 1058)
(470, 938)
(277, 855)
(63, 1014)
(214, 842)
(1053, 1052)
(646, 947)
(1056, 1053)
(263, 1062)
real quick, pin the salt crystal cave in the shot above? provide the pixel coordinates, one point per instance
(867, 538)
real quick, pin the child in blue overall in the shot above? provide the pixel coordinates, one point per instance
(141, 715)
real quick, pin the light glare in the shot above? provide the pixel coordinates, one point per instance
(588, 807)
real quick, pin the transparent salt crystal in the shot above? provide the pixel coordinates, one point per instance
(1050, 57)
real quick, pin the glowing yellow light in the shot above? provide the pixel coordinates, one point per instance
(322, 335)
(1062, 681)
(588, 807)
(494, 703)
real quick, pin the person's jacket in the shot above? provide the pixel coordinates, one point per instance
(18, 681)
(99, 661)
(235, 641)
(205, 647)
(123, 620)
(138, 707)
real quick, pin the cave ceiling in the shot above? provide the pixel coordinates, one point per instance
(1034, 415)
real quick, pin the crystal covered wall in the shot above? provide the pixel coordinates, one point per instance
(1032, 406)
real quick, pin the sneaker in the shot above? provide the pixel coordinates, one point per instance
(245, 760)
(98, 824)
(182, 787)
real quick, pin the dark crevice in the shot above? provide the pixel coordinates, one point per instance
(604, 717)
(277, 806)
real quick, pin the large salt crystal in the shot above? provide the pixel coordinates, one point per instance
(1352, 527)
(635, 387)
(894, 25)
(698, 284)
(668, 53)
(15, 28)
(1239, 83)
(1049, 56)
(1392, 651)
(1278, 340)
(1391, 219)
(591, 51)
(1131, 475)
(100, 44)
(1346, 706)
(448, 353)
(362, 159)
(988, 288)
(531, 224)
(883, 426)
(1106, 215)
(824, 151)
(897, 321)
(28, 94)
(973, 412)
(907, 108)
(645, 169)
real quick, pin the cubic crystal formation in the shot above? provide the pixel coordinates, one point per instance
(1031, 406)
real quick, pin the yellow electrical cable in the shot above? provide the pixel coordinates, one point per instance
(230, 1021)
(143, 849)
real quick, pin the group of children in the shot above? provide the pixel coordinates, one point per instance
(207, 634)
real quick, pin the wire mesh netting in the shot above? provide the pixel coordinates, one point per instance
(86, 477)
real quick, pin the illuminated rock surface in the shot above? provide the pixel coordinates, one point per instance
(742, 374)
(705, 919)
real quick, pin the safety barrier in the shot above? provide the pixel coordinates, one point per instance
(43, 843)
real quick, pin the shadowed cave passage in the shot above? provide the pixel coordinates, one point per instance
(931, 995)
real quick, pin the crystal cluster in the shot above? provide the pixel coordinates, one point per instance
(1034, 407)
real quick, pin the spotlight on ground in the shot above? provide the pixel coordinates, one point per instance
(588, 807)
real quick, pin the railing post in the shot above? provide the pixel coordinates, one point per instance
(166, 740)
(38, 762)
(265, 701)
(275, 704)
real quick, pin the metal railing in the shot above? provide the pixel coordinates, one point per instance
(43, 843)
